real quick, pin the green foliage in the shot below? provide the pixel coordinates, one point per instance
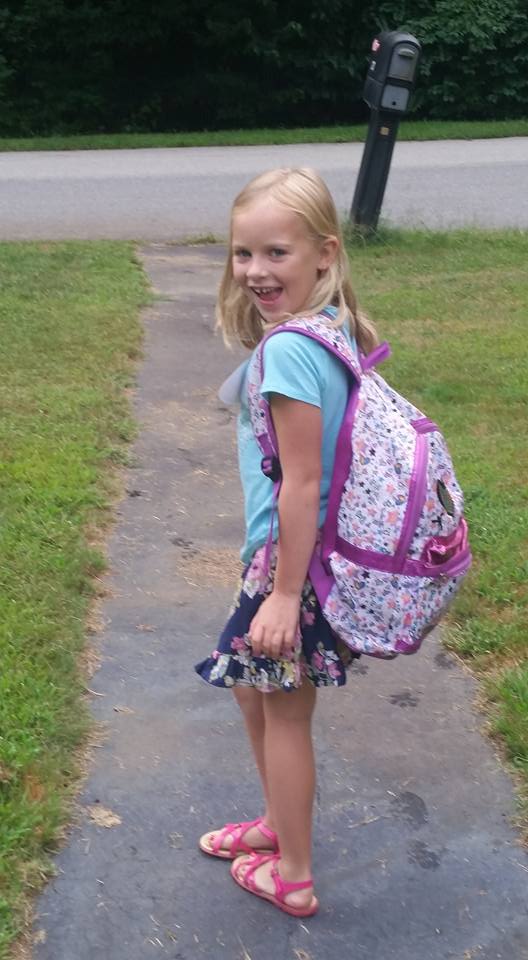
(511, 694)
(475, 56)
(107, 65)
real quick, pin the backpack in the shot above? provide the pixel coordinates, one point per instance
(393, 548)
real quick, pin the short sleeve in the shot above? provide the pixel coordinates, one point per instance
(295, 367)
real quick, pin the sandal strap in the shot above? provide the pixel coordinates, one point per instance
(257, 859)
(237, 831)
(284, 887)
(267, 831)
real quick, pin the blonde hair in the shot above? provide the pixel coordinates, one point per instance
(302, 191)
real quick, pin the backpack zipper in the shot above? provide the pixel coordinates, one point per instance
(417, 491)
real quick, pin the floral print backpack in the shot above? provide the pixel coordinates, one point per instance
(393, 548)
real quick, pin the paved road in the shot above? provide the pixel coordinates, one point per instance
(415, 858)
(171, 194)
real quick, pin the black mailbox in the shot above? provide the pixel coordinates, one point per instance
(392, 72)
(391, 79)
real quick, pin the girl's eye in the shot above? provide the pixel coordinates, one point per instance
(278, 252)
(242, 254)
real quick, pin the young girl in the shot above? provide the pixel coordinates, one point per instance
(286, 258)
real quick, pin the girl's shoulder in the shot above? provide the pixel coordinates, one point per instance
(311, 339)
(301, 366)
(286, 351)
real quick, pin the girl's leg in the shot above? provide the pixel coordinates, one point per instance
(290, 777)
(250, 702)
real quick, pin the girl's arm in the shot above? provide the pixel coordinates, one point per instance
(298, 427)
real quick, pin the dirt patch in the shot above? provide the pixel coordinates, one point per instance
(214, 566)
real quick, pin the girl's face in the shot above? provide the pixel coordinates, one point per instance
(275, 260)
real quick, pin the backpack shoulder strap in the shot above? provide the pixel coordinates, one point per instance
(317, 328)
(333, 339)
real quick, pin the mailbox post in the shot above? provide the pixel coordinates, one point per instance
(390, 81)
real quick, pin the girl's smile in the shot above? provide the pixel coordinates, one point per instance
(267, 294)
(276, 260)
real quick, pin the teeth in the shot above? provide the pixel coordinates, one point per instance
(264, 289)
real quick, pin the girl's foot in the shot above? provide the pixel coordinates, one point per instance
(260, 875)
(252, 836)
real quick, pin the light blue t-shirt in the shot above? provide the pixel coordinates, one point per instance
(302, 369)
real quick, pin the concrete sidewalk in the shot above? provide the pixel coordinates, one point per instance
(414, 855)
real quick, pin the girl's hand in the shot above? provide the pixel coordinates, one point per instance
(274, 628)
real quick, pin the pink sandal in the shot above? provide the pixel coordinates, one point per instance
(282, 887)
(237, 845)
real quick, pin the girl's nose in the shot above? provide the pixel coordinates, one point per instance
(256, 269)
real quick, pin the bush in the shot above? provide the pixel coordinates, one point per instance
(103, 65)
(475, 56)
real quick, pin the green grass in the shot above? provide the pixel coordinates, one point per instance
(409, 130)
(70, 333)
(454, 307)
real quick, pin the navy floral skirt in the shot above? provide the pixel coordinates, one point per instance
(318, 655)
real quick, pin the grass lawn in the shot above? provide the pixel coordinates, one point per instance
(454, 307)
(409, 130)
(69, 332)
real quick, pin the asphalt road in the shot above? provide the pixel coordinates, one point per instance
(174, 194)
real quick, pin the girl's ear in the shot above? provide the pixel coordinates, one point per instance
(328, 252)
